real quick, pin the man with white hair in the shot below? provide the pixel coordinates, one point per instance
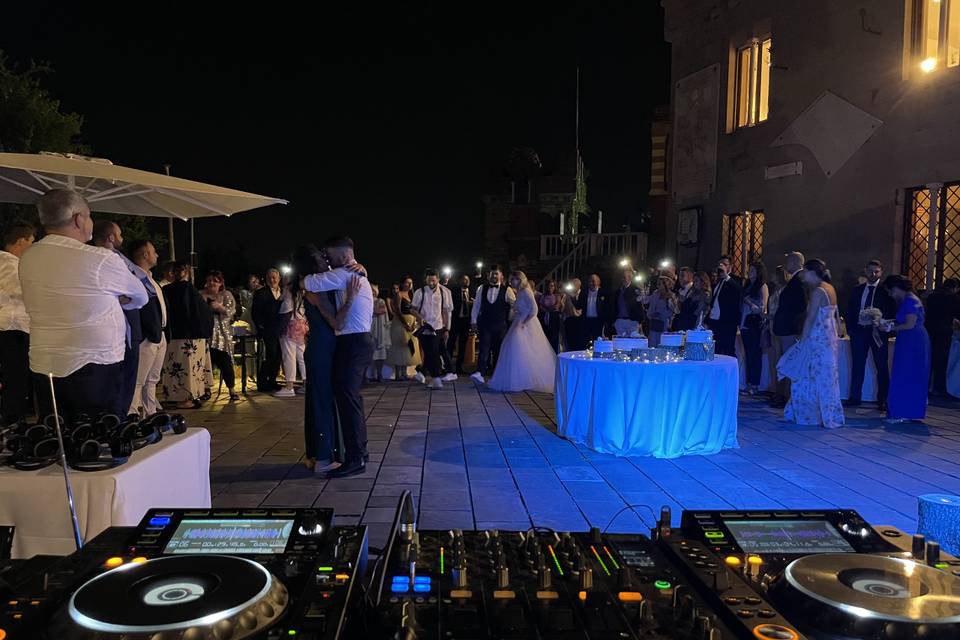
(75, 295)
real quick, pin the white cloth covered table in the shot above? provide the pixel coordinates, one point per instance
(175, 472)
(647, 409)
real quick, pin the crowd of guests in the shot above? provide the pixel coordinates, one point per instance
(82, 312)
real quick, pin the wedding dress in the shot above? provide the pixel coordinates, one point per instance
(527, 361)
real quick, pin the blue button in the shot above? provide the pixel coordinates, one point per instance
(397, 587)
(421, 580)
(421, 588)
(160, 521)
(401, 579)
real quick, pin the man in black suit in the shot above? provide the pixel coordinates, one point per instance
(269, 324)
(626, 312)
(863, 340)
(943, 310)
(593, 304)
(724, 313)
(788, 320)
(460, 321)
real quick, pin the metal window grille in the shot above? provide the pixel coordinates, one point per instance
(932, 232)
(743, 239)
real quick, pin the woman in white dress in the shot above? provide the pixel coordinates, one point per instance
(527, 361)
(811, 364)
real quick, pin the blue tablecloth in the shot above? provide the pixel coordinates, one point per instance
(665, 410)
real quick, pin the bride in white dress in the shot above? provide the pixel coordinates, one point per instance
(812, 363)
(527, 361)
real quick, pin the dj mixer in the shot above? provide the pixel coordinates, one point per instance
(217, 574)
(292, 573)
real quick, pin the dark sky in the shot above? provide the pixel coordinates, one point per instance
(383, 123)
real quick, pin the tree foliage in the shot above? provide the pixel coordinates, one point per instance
(32, 121)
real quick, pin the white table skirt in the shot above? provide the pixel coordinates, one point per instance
(646, 409)
(846, 366)
(175, 472)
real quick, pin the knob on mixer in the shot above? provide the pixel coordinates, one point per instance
(918, 547)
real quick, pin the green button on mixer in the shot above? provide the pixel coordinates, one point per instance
(714, 535)
(661, 584)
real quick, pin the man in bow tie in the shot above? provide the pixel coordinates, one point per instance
(490, 317)
(864, 340)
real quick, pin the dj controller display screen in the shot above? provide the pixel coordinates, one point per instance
(787, 536)
(230, 536)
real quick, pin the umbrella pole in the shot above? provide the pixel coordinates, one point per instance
(173, 249)
(193, 256)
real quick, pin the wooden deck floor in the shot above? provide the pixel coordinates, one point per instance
(480, 459)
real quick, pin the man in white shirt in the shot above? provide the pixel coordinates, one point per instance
(445, 352)
(153, 323)
(490, 317)
(354, 351)
(75, 295)
(593, 308)
(432, 306)
(14, 327)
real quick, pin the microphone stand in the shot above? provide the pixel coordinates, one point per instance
(78, 540)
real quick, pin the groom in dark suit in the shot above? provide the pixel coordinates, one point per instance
(724, 315)
(862, 338)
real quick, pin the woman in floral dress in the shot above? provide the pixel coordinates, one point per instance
(190, 322)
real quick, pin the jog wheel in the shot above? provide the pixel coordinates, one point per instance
(853, 595)
(189, 597)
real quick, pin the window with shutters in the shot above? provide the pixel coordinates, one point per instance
(932, 234)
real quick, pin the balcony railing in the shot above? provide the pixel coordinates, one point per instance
(572, 252)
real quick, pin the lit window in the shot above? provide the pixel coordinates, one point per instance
(742, 239)
(936, 33)
(753, 83)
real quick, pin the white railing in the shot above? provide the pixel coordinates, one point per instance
(579, 249)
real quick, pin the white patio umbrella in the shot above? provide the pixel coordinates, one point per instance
(110, 188)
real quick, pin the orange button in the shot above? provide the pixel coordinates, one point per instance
(732, 561)
(12, 603)
(3, 634)
(114, 562)
(342, 577)
(755, 560)
(630, 596)
(139, 560)
(583, 595)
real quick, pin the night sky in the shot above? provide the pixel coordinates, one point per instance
(388, 124)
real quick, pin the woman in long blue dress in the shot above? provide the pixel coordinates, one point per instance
(909, 380)
(320, 421)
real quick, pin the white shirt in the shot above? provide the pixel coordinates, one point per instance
(592, 303)
(493, 292)
(865, 298)
(447, 307)
(715, 309)
(13, 315)
(143, 274)
(360, 316)
(71, 291)
(434, 306)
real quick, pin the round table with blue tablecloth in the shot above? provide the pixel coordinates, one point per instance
(665, 409)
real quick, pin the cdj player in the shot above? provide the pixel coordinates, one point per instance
(212, 574)
(822, 575)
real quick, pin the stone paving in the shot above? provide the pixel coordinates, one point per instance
(481, 459)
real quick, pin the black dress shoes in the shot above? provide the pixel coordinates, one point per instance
(882, 407)
(348, 469)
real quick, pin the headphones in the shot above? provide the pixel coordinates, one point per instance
(169, 422)
(89, 454)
